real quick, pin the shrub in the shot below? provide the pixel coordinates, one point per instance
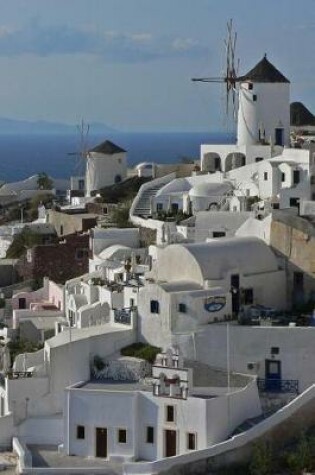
(141, 350)
(261, 462)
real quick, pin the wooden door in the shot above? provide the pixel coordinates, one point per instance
(170, 443)
(101, 442)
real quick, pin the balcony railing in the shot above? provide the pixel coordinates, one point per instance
(278, 385)
(19, 374)
(123, 316)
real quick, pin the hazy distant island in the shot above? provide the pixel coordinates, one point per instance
(16, 126)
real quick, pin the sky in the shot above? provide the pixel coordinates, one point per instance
(128, 63)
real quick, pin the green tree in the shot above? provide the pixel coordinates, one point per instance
(44, 182)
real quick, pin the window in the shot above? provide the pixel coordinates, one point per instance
(250, 86)
(312, 179)
(265, 176)
(61, 229)
(182, 308)
(274, 350)
(154, 306)
(174, 207)
(295, 202)
(118, 179)
(275, 205)
(258, 159)
(218, 234)
(170, 414)
(254, 97)
(159, 207)
(191, 441)
(81, 184)
(150, 435)
(282, 177)
(248, 296)
(122, 436)
(296, 177)
(80, 432)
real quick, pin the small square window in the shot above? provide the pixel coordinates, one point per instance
(265, 176)
(191, 441)
(182, 308)
(154, 306)
(250, 86)
(274, 350)
(80, 432)
(122, 436)
(170, 414)
(150, 435)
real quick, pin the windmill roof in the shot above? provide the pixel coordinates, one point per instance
(107, 148)
(264, 71)
(300, 115)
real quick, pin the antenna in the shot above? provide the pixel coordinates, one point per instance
(230, 74)
(83, 130)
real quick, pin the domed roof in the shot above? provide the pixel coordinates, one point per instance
(144, 165)
(116, 250)
(213, 260)
(209, 189)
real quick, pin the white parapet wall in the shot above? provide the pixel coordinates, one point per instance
(232, 449)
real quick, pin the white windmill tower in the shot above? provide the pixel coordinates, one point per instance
(260, 99)
(264, 106)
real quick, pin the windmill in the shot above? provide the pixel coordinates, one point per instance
(83, 130)
(230, 73)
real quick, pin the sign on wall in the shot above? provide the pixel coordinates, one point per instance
(214, 304)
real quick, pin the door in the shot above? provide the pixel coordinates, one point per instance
(279, 136)
(170, 443)
(101, 442)
(273, 375)
(22, 303)
(235, 291)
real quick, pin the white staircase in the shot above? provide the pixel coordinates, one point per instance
(141, 206)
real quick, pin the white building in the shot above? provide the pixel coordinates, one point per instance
(263, 125)
(106, 164)
(184, 407)
(196, 284)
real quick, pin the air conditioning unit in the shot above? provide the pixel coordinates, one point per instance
(253, 366)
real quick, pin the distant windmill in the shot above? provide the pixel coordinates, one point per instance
(83, 130)
(229, 76)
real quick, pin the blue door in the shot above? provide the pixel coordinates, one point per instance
(279, 137)
(273, 375)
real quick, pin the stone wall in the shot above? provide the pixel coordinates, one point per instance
(59, 262)
(293, 238)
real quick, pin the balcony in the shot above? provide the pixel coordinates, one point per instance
(278, 385)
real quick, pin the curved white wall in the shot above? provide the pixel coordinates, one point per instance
(270, 110)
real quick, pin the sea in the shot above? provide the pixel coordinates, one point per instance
(24, 155)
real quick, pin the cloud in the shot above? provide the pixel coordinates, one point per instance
(112, 46)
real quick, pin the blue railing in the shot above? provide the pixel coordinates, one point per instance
(123, 316)
(278, 385)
